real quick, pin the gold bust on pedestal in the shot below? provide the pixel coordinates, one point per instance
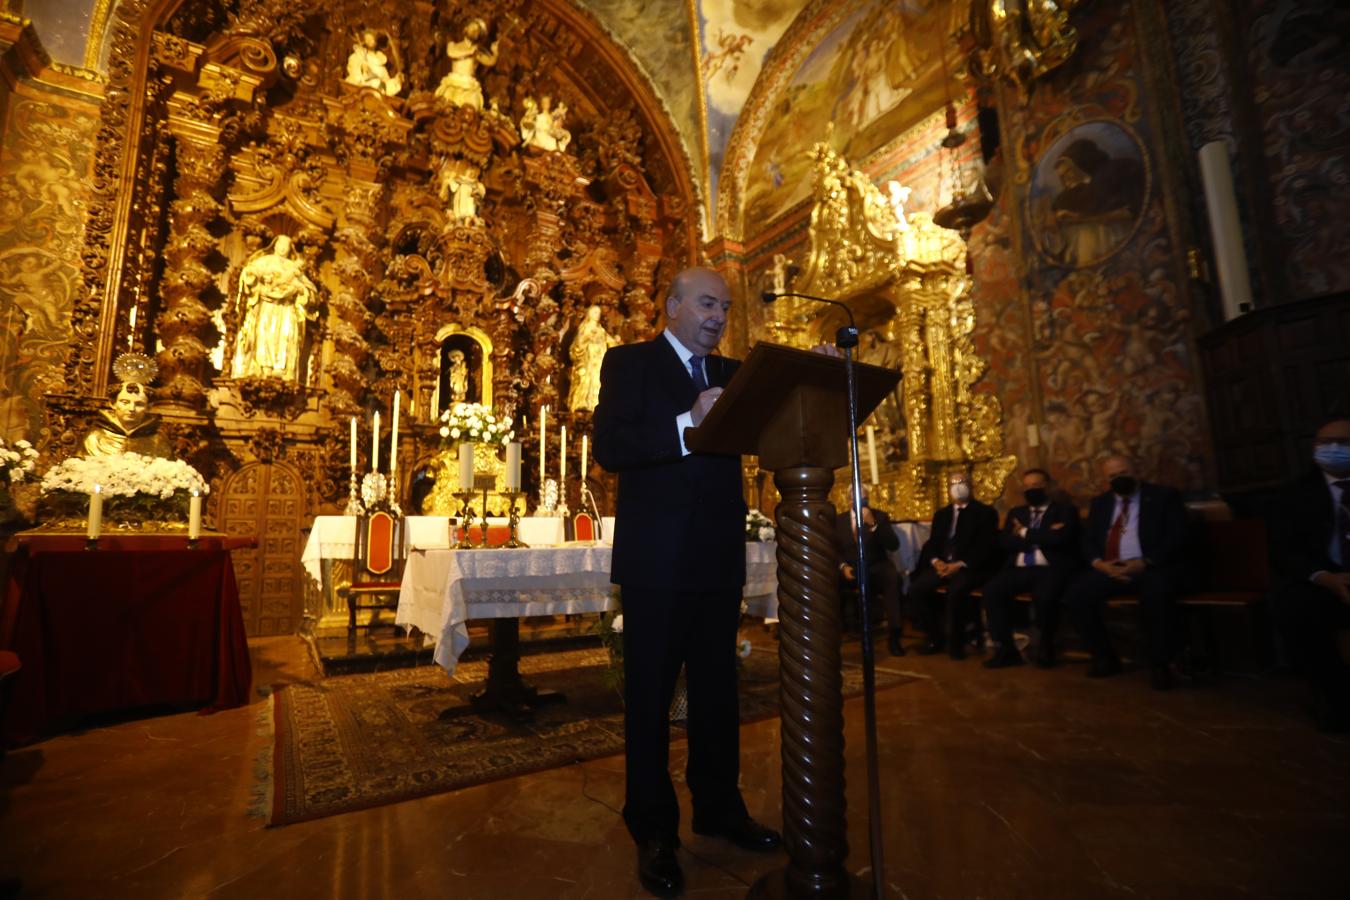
(129, 427)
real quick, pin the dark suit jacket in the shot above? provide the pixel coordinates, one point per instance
(1060, 545)
(1162, 525)
(975, 541)
(1302, 529)
(879, 542)
(679, 520)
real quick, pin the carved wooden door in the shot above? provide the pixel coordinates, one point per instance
(267, 500)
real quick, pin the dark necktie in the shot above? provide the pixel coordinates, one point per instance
(1029, 556)
(1117, 531)
(696, 369)
(950, 553)
(1343, 521)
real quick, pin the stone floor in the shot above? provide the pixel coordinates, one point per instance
(1007, 784)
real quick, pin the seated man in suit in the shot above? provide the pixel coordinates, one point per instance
(959, 554)
(1135, 539)
(884, 581)
(1041, 540)
(1311, 543)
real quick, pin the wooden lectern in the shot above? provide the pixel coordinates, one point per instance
(790, 407)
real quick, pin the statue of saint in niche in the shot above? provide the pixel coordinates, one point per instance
(277, 299)
(461, 373)
(542, 127)
(460, 86)
(128, 427)
(460, 187)
(588, 351)
(458, 374)
(368, 66)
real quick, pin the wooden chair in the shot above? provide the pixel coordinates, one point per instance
(583, 527)
(377, 567)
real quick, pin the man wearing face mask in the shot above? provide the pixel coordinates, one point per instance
(1311, 544)
(880, 540)
(1041, 540)
(1135, 539)
(960, 552)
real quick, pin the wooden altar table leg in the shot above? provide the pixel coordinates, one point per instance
(504, 691)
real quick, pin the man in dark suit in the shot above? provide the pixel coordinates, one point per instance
(960, 553)
(1135, 541)
(1041, 540)
(883, 579)
(679, 557)
(1311, 544)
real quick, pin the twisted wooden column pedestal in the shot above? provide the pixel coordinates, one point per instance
(811, 694)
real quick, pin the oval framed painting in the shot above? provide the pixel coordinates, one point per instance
(1088, 193)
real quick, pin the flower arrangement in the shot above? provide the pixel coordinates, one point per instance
(135, 488)
(758, 527)
(474, 422)
(17, 462)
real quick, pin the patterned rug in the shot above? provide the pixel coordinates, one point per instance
(359, 741)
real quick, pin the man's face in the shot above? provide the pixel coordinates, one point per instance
(1034, 480)
(1116, 467)
(697, 315)
(958, 478)
(1337, 432)
(129, 409)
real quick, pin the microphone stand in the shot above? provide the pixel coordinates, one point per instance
(846, 339)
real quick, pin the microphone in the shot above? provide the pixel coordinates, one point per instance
(852, 328)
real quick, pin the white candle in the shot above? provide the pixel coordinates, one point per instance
(543, 445)
(96, 512)
(513, 466)
(1225, 229)
(393, 440)
(872, 453)
(353, 443)
(375, 444)
(466, 466)
(562, 459)
(585, 445)
(195, 516)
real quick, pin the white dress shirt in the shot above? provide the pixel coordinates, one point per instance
(1129, 538)
(685, 419)
(1334, 551)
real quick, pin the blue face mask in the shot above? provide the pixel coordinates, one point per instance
(1334, 459)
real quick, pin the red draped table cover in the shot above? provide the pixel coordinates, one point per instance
(142, 621)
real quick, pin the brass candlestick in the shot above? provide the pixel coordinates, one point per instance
(466, 520)
(513, 540)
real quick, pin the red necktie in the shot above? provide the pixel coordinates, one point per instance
(1117, 531)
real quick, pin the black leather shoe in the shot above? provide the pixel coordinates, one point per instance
(746, 834)
(894, 644)
(928, 648)
(1162, 678)
(658, 868)
(1003, 658)
(1104, 667)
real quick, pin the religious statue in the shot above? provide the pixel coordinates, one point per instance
(278, 299)
(459, 86)
(588, 350)
(778, 274)
(459, 377)
(129, 427)
(460, 187)
(543, 127)
(367, 66)
(899, 195)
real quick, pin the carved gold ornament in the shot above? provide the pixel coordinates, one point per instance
(1019, 41)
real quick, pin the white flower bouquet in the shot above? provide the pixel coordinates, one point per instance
(136, 488)
(474, 422)
(17, 463)
(758, 527)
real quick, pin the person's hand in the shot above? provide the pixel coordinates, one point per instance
(1129, 568)
(1021, 530)
(847, 570)
(1336, 582)
(704, 403)
(1119, 569)
(827, 350)
(940, 566)
(868, 519)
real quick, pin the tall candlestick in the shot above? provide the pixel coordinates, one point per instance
(1230, 258)
(393, 440)
(513, 466)
(353, 443)
(466, 466)
(585, 440)
(872, 453)
(375, 444)
(543, 445)
(96, 512)
(562, 460)
(195, 516)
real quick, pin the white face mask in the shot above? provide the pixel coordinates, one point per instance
(960, 492)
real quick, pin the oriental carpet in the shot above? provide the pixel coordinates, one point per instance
(358, 741)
